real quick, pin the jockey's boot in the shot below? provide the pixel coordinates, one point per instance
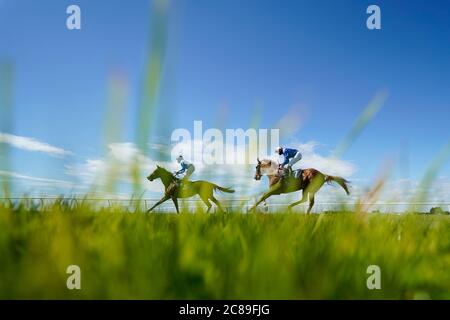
(286, 172)
(172, 188)
(289, 172)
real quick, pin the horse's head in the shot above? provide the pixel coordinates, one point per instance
(156, 174)
(258, 174)
(265, 167)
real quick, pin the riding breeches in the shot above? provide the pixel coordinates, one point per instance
(295, 159)
(189, 171)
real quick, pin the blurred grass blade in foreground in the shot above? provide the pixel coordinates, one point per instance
(361, 122)
(151, 83)
(6, 107)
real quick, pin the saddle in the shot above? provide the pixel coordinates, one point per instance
(299, 174)
(178, 185)
(289, 173)
(292, 178)
(183, 184)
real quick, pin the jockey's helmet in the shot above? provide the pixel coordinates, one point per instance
(279, 150)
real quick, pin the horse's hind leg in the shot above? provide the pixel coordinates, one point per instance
(217, 203)
(304, 198)
(311, 201)
(313, 189)
(175, 202)
(208, 204)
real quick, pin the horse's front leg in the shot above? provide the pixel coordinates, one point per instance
(163, 199)
(263, 198)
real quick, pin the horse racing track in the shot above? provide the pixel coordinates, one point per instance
(131, 254)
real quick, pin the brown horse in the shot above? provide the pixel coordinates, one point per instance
(174, 189)
(310, 181)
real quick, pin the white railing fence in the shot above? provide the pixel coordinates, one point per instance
(238, 205)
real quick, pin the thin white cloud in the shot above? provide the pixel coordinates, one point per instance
(43, 182)
(117, 165)
(31, 144)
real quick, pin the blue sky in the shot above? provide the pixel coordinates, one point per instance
(232, 55)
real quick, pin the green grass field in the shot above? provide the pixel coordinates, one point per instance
(221, 256)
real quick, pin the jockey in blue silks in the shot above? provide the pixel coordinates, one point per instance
(186, 167)
(291, 156)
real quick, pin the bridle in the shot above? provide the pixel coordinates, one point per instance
(258, 174)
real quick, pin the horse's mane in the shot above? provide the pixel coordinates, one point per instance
(269, 164)
(166, 172)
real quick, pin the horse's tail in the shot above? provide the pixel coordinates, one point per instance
(339, 180)
(227, 190)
